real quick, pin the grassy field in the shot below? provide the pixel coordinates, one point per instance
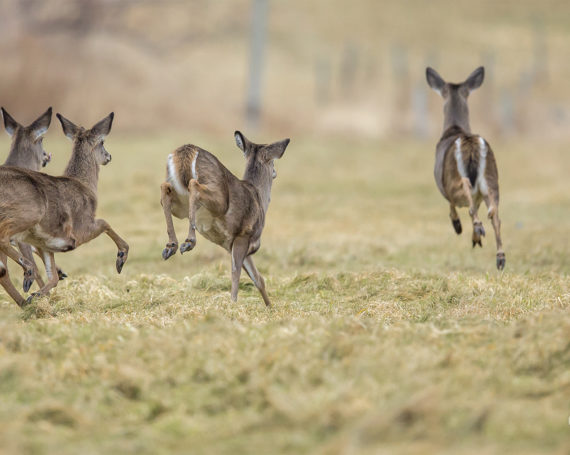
(388, 334)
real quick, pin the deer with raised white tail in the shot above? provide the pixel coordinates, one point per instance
(226, 210)
(27, 152)
(465, 168)
(56, 214)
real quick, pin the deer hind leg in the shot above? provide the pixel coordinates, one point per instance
(166, 202)
(7, 283)
(17, 257)
(455, 221)
(239, 252)
(256, 277)
(194, 189)
(493, 213)
(27, 252)
(478, 230)
(51, 270)
(98, 227)
(201, 195)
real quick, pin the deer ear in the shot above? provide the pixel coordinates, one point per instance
(41, 124)
(475, 79)
(277, 149)
(69, 128)
(434, 80)
(102, 128)
(9, 123)
(240, 140)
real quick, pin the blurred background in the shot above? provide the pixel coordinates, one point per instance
(320, 67)
(344, 80)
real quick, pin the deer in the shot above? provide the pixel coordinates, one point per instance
(26, 151)
(224, 209)
(465, 168)
(56, 214)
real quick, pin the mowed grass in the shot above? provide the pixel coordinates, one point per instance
(388, 332)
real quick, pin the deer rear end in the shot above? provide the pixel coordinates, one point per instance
(465, 169)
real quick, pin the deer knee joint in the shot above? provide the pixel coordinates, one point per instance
(166, 188)
(195, 187)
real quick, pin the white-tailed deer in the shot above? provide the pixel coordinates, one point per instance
(226, 210)
(465, 168)
(27, 152)
(57, 214)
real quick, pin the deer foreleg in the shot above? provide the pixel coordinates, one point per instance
(493, 208)
(256, 277)
(166, 202)
(27, 252)
(7, 283)
(455, 219)
(17, 257)
(51, 270)
(61, 275)
(478, 230)
(239, 251)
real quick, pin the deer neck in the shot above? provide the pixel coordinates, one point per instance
(23, 155)
(83, 167)
(261, 178)
(456, 113)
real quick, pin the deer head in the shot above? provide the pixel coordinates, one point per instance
(27, 141)
(88, 149)
(90, 141)
(260, 157)
(455, 109)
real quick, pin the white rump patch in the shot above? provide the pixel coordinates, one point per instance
(173, 177)
(459, 158)
(481, 181)
(2, 266)
(194, 175)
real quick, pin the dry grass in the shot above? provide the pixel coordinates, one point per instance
(389, 334)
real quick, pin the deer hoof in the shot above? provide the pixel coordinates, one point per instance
(28, 279)
(479, 230)
(477, 242)
(501, 261)
(61, 274)
(188, 245)
(35, 295)
(121, 259)
(457, 226)
(169, 250)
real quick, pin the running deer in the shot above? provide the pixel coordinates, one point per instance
(56, 214)
(465, 168)
(26, 151)
(226, 210)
